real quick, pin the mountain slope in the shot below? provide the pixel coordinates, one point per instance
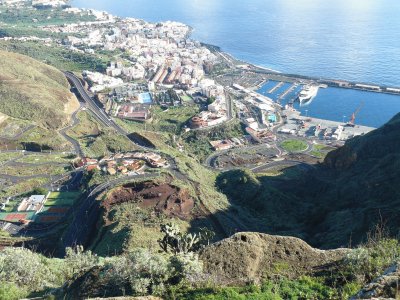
(252, 257)
(33, 91)
(338, 203)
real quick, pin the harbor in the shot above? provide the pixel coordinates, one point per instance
(363, 86)
(261, 114)
(319, 129)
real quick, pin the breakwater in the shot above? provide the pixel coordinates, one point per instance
(370, 87)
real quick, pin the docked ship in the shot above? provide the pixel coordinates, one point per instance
(308, 93)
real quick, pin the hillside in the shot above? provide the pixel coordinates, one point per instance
(253, 257)
(33, 91)
(334, 205)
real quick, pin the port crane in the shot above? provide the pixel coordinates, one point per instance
(353, 116)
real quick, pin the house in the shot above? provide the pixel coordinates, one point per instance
(111, 171)
(221, 145)
(134, 112)
(261, 136)
(92, 167)
(90, 161)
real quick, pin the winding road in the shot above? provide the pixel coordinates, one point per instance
(75, 143)
(86, 216)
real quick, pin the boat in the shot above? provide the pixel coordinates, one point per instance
(308, 93)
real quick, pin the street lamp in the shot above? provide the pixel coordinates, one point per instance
(344, 117)
(306, 113)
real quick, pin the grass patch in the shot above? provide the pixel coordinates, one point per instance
(56, 56)
(60, 202)
(97, 141)
(320, 150)
(12, 206)
(34, 170)
(6, 156)
(62, 198)
(46, 158)
(280, 289)
(40, 139)
(294, 145)
(33, 91)
(171, 120)
(23, 187)
(197, 143)
(24, 15)
(319, 147)
(12, 127)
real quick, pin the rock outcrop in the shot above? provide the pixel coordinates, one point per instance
(251, 257)
(385, 287)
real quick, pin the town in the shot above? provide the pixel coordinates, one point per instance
(159, 65)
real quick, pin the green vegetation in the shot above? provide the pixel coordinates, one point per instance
(328, 207)
(40, 139)
(30, 90)
(197, 143)
(320, 151)
(56, 56)
(46, 158)
(305, 288)
(141, 272)
(23, 186)
(32, 17)
(294, 145)
(96, 140)
(127, 227)
(171, 120)
(11, 127)
(62, 198)
(6, 156)
(44, 170)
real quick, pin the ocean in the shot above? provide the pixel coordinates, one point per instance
(355, 40)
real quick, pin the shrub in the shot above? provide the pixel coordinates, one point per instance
(369, 261)
(145, 272)
(187, 267)
(77, 260)
(25, 269)
(10, 291)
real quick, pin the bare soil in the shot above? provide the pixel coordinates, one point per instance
(163, 198)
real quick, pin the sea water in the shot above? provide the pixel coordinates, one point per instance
(356, 40)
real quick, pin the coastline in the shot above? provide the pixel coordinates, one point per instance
(234, 66)
(341, 83)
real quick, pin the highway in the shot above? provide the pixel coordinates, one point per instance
(229, 108)
(99, 113)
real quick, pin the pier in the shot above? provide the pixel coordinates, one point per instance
(288, 91)
(275, 88)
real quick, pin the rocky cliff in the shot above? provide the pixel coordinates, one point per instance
(251, 257)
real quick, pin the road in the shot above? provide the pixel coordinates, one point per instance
(75, 121)
(287, 163)
(86, 216)
(99, 113)
(229, 106)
